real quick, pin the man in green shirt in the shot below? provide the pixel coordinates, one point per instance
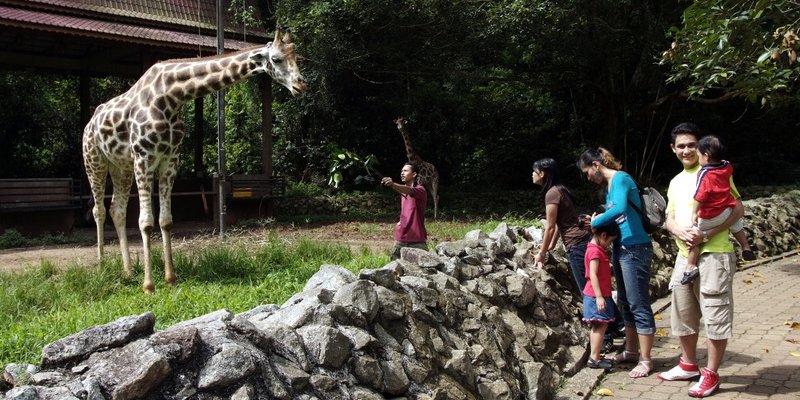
(711, 296)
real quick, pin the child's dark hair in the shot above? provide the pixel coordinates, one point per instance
(713, 147)
(611, 229)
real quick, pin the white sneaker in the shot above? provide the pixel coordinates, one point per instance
(680, 372)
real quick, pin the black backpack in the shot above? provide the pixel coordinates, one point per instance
(654, 208)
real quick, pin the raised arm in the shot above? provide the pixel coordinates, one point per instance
(402, 189)
(618, 197)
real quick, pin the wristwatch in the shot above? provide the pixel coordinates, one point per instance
(705, 236)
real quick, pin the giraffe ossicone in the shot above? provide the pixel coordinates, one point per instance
(136, 136)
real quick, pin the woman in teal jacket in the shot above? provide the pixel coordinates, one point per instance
(632, 253)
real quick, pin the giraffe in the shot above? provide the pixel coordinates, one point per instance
(428, 175)
(136, 135)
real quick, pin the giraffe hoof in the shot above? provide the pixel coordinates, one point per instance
(149, 288)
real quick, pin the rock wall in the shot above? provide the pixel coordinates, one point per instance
(470, 320)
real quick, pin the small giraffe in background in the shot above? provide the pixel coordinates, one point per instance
(136, 136)
(428, 175)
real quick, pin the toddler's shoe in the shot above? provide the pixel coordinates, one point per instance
(689, 276)
(748, 255)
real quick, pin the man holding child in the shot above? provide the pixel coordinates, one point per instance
(711, 296)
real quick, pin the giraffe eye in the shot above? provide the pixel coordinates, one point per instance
(277, 60)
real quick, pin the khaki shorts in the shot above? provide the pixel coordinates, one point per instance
(710, 297)
(399, 245)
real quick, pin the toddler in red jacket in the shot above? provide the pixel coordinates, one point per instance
(713, 201)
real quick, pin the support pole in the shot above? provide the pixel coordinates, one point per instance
(221, 126)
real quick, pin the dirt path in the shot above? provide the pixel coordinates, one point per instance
(374, 236)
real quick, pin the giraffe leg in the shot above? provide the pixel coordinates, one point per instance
(165, 183)
(122, 181)
(435, 194)
(97, 182)
(144, 182)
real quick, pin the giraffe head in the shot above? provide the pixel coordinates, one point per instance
(279, 60)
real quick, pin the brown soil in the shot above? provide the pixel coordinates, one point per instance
(376, 236)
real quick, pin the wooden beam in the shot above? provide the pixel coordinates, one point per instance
(27, 61)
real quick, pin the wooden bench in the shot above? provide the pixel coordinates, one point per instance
(249, 197)
(37, 194)
(40, 205)
(256, 187)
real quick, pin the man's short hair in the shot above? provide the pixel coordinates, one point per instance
(413, 165)
(685, 128)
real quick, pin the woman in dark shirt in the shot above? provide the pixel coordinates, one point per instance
(561, 220)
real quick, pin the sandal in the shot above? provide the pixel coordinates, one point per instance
(748, 255)
(600, 364)
(608, 346)
(626, 357)
(642, 369)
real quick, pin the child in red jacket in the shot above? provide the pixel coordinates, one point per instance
(713, 201)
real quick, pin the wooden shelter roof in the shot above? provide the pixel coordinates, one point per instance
(119, 37)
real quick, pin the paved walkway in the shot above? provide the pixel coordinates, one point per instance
(758, 363)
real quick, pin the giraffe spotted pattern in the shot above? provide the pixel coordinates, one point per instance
(136, 136)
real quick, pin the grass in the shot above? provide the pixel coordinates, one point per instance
(47, 303)
(41, 305)
(456, 229)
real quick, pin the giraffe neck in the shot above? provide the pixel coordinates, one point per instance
(184, 80)
(410, 153)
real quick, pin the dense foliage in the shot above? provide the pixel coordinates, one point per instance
(487, 88)
(738, 49)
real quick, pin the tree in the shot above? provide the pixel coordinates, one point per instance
(734, 48)
(490, 86)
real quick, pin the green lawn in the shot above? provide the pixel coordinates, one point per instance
(49, 302)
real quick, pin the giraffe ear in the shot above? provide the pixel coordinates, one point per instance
(277, 40)
(287, 37)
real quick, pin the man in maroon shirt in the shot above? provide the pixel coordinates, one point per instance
(410, 231)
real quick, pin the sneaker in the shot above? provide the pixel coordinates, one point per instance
(681, 372)
(707, 385)
(689, 276)
(748, 255)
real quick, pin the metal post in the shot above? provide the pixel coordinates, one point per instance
(221, 125)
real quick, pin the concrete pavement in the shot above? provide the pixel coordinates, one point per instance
(759, 362)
